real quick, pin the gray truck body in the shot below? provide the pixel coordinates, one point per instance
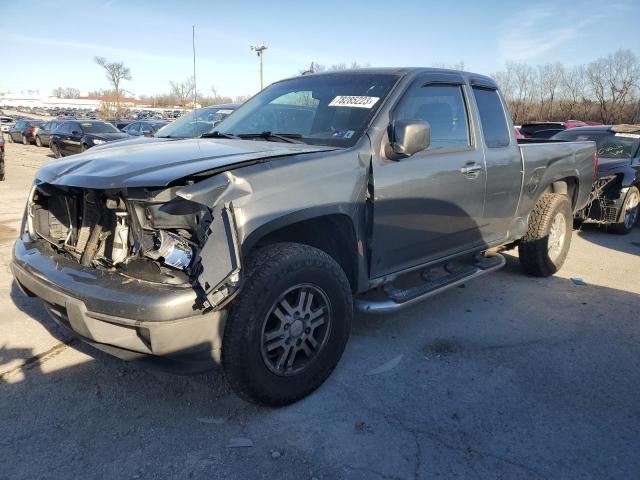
(378, 217)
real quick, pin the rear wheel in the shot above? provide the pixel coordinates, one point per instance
(628, 212)
(38, 141)
(287, 329)
(544, 248)
(10, 139)
(25, 140)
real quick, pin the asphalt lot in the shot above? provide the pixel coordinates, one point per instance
(509, 377)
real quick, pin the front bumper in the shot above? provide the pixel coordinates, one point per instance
(128, 318)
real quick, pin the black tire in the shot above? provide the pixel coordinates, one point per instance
(56, 150)
(25, 140)
(84, 147)
(38, 141)
(628, 214)
(538, 256)
(270, 273)
(1, 170)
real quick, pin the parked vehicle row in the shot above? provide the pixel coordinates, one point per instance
(1, 157)
(252, 246)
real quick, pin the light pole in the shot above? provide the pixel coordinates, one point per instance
(259, 49)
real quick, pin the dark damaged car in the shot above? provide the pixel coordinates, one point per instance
(615, 197)
(76, 136)
(251, 247)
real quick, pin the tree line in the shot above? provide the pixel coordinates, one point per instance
(605, 90)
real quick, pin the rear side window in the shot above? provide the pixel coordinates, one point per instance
(443, 108)
(494, 124)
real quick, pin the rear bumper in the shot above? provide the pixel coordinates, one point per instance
(128, 318)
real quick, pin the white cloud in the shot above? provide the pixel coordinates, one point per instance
(544, 28)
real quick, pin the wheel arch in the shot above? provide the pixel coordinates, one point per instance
(333, 232)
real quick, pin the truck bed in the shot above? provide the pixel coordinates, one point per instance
(548, 161)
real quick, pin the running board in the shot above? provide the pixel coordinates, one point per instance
(398, 299)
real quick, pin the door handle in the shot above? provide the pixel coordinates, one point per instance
(471, 170)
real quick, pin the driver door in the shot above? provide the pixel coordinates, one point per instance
(429, 205)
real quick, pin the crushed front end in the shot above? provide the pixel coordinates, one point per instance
(123, 269)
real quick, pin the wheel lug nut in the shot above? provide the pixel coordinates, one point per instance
(307, 330)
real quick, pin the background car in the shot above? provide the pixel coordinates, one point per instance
(119, 123)
(23, 131)
(616, 190)
(146, 128)
(197, 122)
(192, 125)
(75, 136)
(547, 129)
(43, 133)
(6, 123)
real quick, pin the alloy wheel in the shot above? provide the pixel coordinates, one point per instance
(296, 329)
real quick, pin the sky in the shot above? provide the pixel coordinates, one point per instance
(49, 43)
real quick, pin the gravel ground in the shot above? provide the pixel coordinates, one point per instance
(509, 377)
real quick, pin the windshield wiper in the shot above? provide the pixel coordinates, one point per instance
(217, 134)
(274, 137)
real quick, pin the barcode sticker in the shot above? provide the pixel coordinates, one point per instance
(353, 101)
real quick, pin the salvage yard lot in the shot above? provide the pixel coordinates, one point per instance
(509, 377)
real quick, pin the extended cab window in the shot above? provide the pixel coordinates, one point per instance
(443, 107)
(494, 124)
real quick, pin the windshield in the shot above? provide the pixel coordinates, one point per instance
(99, 127)
(331, 110)
(195, 123)
(609, 144)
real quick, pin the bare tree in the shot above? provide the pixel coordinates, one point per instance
(57, 92)
(183, 91)
(549, 78)
(614, 81)
(116, 73)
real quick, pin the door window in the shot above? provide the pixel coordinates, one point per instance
(443, 108)
(494, 124)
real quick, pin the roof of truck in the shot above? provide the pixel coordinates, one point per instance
(397, 71)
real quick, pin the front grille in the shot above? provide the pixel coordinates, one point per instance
(67, 219)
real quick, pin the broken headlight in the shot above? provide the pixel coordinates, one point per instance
(171, 249)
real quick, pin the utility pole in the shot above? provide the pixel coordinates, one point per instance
(259, 49)
(193, 42)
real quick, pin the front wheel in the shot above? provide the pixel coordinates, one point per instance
(628, 212)
(56, 150)
(25, 140)
(38, 142)
(287, 329)
(544, 248)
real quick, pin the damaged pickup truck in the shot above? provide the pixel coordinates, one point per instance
(368, 189)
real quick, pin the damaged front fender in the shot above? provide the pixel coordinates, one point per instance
(217, 265)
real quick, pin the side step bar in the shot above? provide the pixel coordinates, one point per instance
(400, 299)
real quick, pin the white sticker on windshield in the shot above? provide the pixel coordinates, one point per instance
(628, 135)
(224, 112)
(353, 101)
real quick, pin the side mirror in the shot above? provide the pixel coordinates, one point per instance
(407, 138)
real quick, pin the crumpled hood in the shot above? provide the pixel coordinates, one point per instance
(156, 164)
